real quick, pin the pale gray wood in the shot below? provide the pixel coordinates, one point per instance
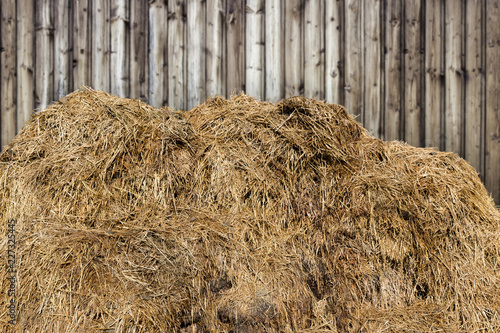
(81, 43)
(454, 77)
(176, 54)
(120, 58)
(334, 89)
(492, 139)
(101, 45)
(274, 47)
(434, 74)
(157, 57)
(313, 57)
(235, 49)
(195, 53)
(293, 57)
(353, 58)
(44, 70)
(25, 61)
(215, 48)
(254, 50)
(139, 13)
(62, 49)
(393, 74)
(8, 103)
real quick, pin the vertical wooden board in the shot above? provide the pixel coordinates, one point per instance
(353, 58)
(157, 45)
(139, 11)
(474, 77)
(413, 125)
(235, 47)
(101, 45)
(334, 27)
(195, 53)
(293, 57)
(176, 55)
(454, 77)
(313, 62)
(372, 66)
(120, 56)
(8, 101)
(434, 74)
(214, 48)
(81, 43)
(393, 74)
(254, 49)
(44, 59)
(274, 48)
(62, 49)
(25, 61)
(492, 139)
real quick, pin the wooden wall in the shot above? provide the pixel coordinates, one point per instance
(423, 71)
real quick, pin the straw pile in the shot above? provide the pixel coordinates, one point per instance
(240, 216)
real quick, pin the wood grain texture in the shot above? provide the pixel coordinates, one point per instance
(81, 44)
(176, 55)
(8, 102)
(434, 74)
(235, 47)
(413, 124)
(101, 45)
(454, 76)
(254, 48)
(373, 71)
(25, 61)
(293, 57)
(195, 53)
(353, 58)
(334, 52)
(313, 46)
(120, 57)
(44, 54)
(215, 48)
(274, 47)
(492, 139)
(393, 75)
(62, 49)
(474, 78)
(139, 12)
(157, 53)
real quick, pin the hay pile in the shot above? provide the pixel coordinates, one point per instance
(240, 216)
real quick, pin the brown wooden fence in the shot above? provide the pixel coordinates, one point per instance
(423, 71)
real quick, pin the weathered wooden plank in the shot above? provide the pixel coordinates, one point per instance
(313, 57)
(414, 125)
(274, 40)
(235, 50)
(157, 58)
(434, 74)
(334, 52)
(353, 58)
(8, 101)
(139, 11)
(492, 139)
(214, 48)
(44, 70)
(25, 61)
(176, 54)
(62, 49)
(120, 56)
(81, 43)
(100, 45)
(393, 74)
(294, 69)
(474, 78)
(372, 65)
(254, 48)
(195, 53)
(454, 77)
